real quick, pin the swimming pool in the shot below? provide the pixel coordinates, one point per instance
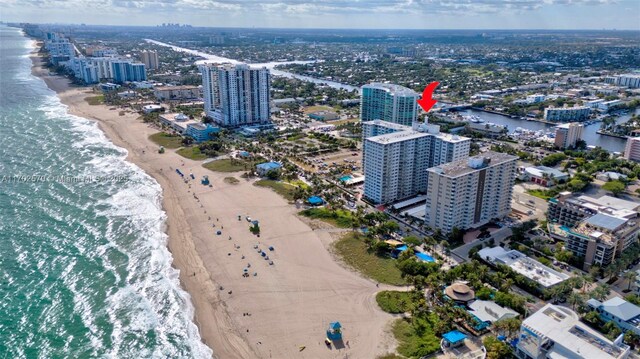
(425, 257)
(345, 178)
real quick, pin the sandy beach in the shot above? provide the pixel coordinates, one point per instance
(290, 303)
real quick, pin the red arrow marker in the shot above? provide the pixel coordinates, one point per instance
(427, 101)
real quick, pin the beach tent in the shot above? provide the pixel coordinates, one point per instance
(335, 331)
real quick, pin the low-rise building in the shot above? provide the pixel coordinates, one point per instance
(623, 314)
(177, 92)
(556, 332)
(323, 116)
(544, 176)
(201, 132)
(263, 168)
(631, 80)
(177, 121)
(530, 268)
(152, 108)
(488, 312)
(567, 114)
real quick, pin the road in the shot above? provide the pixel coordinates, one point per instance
(498, 236)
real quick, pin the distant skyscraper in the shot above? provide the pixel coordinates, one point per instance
(388, 102)
(150, 59)
(470, 192)
(396, 158)
(236, 95)
(568, 134)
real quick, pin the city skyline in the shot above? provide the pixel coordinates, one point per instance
(333, 14)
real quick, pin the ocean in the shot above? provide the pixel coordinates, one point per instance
(84, 268)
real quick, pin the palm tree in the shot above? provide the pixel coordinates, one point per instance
(576, 299)
(600, 292)
(630, 276)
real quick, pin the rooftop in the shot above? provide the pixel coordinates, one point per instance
(488, 311)
(618, 308)
(464, 166)
(524, 265)
(605, 221)
(539, 171)
(571, 338)
(397, 137)
(392, 88)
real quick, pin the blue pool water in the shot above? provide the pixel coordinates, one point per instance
(345, 178)
(425, 257)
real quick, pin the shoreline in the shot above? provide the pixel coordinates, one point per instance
(291, 302)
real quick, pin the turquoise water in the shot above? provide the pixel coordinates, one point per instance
(345, 178)
(425, 257)
(84, 269)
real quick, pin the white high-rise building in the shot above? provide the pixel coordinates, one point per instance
(388, 102)
(150, 59)
(568, 134)
(470, 192)
(396, 158)
(236, 95)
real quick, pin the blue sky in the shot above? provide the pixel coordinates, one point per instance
(395, 14)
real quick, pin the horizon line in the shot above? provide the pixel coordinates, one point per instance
(323, 28)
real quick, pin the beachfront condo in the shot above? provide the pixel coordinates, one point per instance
(236, 95)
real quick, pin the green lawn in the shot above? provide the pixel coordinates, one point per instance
(317, 108)
(353, 251)
(227, 165)
(167, 140)
(413, 344)
(95, 100)
(337, 218)
(284, 189)
(192, 153)
(392, 301)
(545, 194)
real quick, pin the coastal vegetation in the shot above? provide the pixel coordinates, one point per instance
(353, 250)
(393, 301)
(336, 217)
(231, 180)
(95, 100)
(228, 165)
(166, 140)
(192, 153)
(284, 189)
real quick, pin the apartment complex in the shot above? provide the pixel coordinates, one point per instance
(567, 114)
(568, 210)
(59, 47)
(164, 93)
(150, 59)
(470, 192)
(388, 102)
(632, 149)
(568, 134)
(396, 158)
(601, 238)
(236, 95)
(94, 69)
(626, 80)
(556, 332)
(596, 229)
